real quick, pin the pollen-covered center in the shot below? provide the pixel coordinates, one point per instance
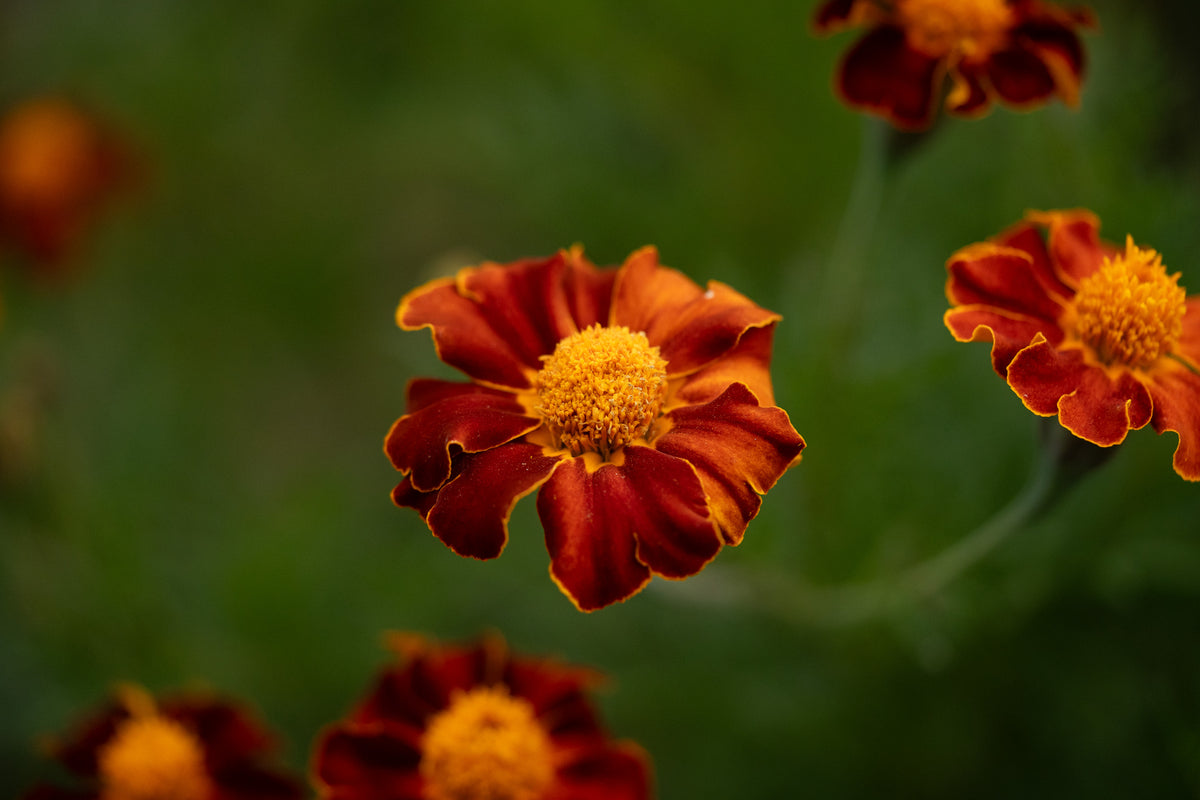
(151, 757)
(1130, 311)
(486, 745)
(601, 388)
(967, 27)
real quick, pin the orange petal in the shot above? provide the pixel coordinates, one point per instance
(366, 763)
(448, 418)
(470, 512)
(691, 327)
(749, 363)
(1073, 241)
(738, 448)
(1090, 402)
(1176, 393)
(494, 321)
(883, 74)
(1000, 277)
(1028, 237)
(1009, 333)
(1188, 346)
(607, 530)
(608, 772)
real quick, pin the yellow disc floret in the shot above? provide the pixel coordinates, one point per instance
(486, 745)
(152, 757)
(601, 389)
(965, 27)
(1130, 311)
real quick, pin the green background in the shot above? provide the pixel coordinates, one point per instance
(209, 500)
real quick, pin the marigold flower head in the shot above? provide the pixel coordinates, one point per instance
(186, 747)
(59, 166)
(476, 723)
(639, 403)
(1018, 52)
(1101, 336)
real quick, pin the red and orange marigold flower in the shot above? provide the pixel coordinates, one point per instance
(185, 747)
(1100, 335)
(1019, 52)
(640, 403)
(59, 165)
(450, 723)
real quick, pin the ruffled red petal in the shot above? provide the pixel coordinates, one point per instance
(1002, 278)
(558, 695)
(1051, 34)
(1073, 241)
(1029, 238)
(616, 772)
(404, 696)
(1090, 402)
(367, 764)
(446, 419)
(692, 327)
(494, 321)
(749, 363)
(1009, 333)
(738, 448)
(1176, 393)
(1020, 77)
(470, 512)
(882, 73)
(607, 530)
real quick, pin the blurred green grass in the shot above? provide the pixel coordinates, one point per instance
(211, 500)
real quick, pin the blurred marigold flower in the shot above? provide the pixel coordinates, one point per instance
(639, 402)
(59, 165)
(460, 723)
(1019, 52)
(1100, 335)
(185, 747)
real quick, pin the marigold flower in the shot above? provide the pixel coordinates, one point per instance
(1100, 335)
(58, 167)
(476, 723)
(1019, 52)
(639, 402)
(185, 747)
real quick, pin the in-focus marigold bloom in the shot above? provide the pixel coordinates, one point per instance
(476, 723)
(187, 747)
(58, 168)
(1019, 52)
(640, 403)
(1100, 335)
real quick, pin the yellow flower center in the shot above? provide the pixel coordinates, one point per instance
(486, 745)
(45, 150)
(601, 389)
(1130, 311)
(967, 27)
(151, 757)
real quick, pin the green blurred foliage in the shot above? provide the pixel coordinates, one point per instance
(209, 499)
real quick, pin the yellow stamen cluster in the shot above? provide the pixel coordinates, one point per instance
(486, 745)
(151, 757)
(966, 27)
(1130, 311)
(601, 389)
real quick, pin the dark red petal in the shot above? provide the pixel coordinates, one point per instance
(1176, 393)
(606, 530)
(1028, 237)
(246, 781)
(1002, 278)
(1059, 48)
(1009, 333)
(1089, 402)
(618, 771)
(883, 74)
(77, 750)
(749, 363)
(467, 418)
(470, 514)
(968, 97)
(1020, 77)
(588, 290)
(1073, 241)
(834, 15)
(366, 764)
(558, 694)
(405, 496)
(228, 733)
(738, 448)
(690, 326)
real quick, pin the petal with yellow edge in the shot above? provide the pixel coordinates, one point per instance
(1001, 277)
(738, 448)
(1009, 333)
(882, 73)
(1176, 393)
(748, 363)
